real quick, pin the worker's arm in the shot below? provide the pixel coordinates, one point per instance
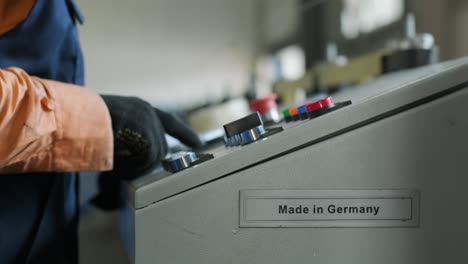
(51, 126)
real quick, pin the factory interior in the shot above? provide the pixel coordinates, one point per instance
(331, 131)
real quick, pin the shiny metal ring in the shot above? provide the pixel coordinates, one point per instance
(245, 137)
(251, 135)
(179, 161)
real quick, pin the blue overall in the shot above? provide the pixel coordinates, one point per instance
(39, 212)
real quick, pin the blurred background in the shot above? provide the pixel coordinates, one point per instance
(190, 55)
(183, 54)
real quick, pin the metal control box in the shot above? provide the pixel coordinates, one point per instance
(383, 180)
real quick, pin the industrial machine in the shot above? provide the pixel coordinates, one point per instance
(337, 71)
(381, 180)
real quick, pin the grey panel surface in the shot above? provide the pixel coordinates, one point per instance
(424, 147)
(376, 99)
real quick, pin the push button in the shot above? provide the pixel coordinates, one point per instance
(302, 111)
(316, 109)
(319, 104)
(287, 115)
(267, 108)
(305, 111)
(313, 110)
(294, 113)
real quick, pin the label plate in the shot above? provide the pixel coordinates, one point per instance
(329, 208)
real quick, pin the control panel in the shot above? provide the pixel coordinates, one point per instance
(334, 182)
(252, 128)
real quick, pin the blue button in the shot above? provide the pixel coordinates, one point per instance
(302, 109)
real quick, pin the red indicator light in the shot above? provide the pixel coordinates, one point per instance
(327, 102)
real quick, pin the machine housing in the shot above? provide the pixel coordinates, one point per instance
(405, 131)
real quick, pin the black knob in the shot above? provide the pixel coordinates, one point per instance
(244, 124)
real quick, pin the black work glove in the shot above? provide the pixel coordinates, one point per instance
(139, 143)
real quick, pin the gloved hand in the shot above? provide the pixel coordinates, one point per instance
(139, 143)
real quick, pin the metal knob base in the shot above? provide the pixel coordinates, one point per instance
(179, 161)
(185, 159)
(245, 137)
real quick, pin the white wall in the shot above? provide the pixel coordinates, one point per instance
(169, 52)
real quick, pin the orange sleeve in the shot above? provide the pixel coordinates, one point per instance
(51, 126)
(12, 12)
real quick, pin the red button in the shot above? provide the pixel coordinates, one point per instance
(319, 104)
(264, 105)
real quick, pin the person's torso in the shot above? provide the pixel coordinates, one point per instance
(39, 212)
(46, 43)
